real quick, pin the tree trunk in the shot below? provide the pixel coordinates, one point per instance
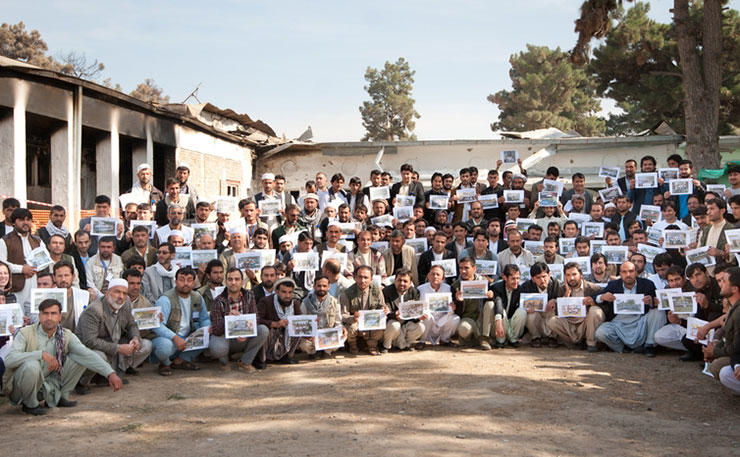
(702, 77)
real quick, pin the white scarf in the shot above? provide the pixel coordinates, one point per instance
(53, 230)
(162, 272)
(282, 313)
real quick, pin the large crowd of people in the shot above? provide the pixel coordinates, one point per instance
(644, 264)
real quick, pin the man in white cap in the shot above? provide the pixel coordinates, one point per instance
(144, 188)
(182, 174)
(222, 217)
(238, 244)
(332, 236)
(107, 326)
(268, 193)
(310, 217)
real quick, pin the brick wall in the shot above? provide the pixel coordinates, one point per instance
(207, 171)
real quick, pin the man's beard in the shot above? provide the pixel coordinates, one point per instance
(321, 293)
(284, 303)
(268, 284)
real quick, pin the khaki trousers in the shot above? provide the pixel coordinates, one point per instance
(402, 336)
(371, 337)
(572, 330)
(537, 324)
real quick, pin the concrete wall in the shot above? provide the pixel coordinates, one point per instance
(352, 159)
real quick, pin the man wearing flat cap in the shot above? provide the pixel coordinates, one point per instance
(107, 327)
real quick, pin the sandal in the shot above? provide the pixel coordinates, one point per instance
(185, 365)
(164, 370)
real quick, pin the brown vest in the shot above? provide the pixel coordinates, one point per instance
(15, 255)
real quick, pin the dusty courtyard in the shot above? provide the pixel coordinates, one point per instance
(450, 402)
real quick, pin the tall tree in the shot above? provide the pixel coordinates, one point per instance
(699, 45)
(547, 91)
(150, 92)
(390, 113)
(637, 64)
(19, 44)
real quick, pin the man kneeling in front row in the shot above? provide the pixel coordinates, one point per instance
(49, 360)
(108, 327)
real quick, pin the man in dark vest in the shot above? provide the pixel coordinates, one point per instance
(14, 248)
(37, 370)
(184, 312)
(362, 295)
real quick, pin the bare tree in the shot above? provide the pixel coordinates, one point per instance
(77, 65)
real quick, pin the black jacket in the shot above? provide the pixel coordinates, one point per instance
(500, 301)
(425, 262)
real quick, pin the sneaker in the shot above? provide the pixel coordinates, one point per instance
(536, 343)
(384, 350)
(498, 345)
(514, 344)
(485, 345)
(258, 364)
(244, 368)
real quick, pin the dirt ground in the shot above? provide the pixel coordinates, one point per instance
(450, 402)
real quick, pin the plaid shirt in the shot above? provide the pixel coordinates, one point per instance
(223, 305)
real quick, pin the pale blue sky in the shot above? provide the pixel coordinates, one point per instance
(298, 63)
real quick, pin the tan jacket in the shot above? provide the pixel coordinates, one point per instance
(409, 261)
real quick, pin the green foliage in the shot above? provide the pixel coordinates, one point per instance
(390, 114)
(548, 91)
(638, 65)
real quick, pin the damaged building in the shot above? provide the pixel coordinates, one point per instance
(64, 140)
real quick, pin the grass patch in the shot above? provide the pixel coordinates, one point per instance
(129, 428)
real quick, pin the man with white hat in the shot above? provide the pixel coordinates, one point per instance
(310, 217)
(182, 173)
(238, 244)
(143, 188)
(268, 193)
(107, 326)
